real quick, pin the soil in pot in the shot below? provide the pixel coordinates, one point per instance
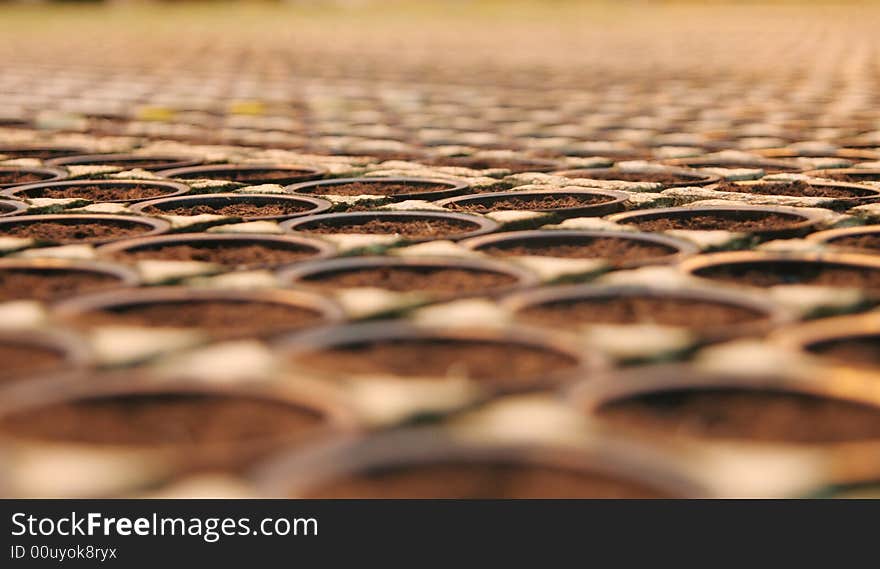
(25, 359)
(620, 250)
(855, 351)
(767, 167)
(194, 424)
(221, 318)
(240, 253)
(16, 176)
(852, 175)
(100, 191)
(752, 414)
(426, 279)
(410, 227)
(241, 206)
(742, 221)
(67, 231)
(266, 175)
(480, 360)
(772, 273)
(529, 202)
(51, 284)
(632, 309)
(514, 165)
(665, 178)
(38, 152)
(128, 161)
(867, 241)
(797, 188)
(486, 480)
(377, 188)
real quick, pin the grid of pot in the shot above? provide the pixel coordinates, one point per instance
(324, 253)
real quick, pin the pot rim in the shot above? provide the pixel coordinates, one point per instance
(683, 248)
(17, 207)
(759, 162)
(75, 351)
(819, 183)
(175, 160)
(700, 179)
(127, 276)
(177, 189)
(484, 224)
(323, 249)
(588, 362)
(319, 205)
(300, 471)
(57, 174)
(5, 147)
(808, 218)
(295, 273)
(801, 336)
(308, 172)
(828, 236)
(158, 226)
(85, 303)
(842, 152)
(615, 204)
(454, 187)
(773, 313)
(821, 172)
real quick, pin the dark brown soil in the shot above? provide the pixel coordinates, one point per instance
(130, 163)
(749, 165)
(235, 209)
(852, 177)
(797, 188)
(794, 272)
(418, 228)
(100, 192)
(161, 420)
(701, 220)
(747, 414)
(432, 280)
(481, 480)
(222, 318)
(869, 241)
(529, 203)
(491, 362)
(268, 175)
(658, 178)
(620, 250)
(666, 311)
(374, 188)
(241, 254)
(20, 359)
(73, 231)
(39, 152)
(6, 208)
(857, 351)
(22, 177)
(514, 166)
(51, 284)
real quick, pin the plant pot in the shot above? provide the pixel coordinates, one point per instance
(851, 342)
(562, 203)
(845, 153)
(668, 177)
(50, 280)
(621, 249)
(398, 189)
(222, 314)
(242, 252)
(844, 193)
(760, 222)
(437, 277)
(250, 174)
(410, 226)
(513, 165)
(65, 229)
(29, 354)
(38, 151)
(851, 175)
(753, 269)
(520, 359)
(863, 239)
(101, 191)
(710, 315)
(248, 207)
(12, 207)
(11, 176)
(114, 434)
(780, 410)
(430, 463)
(149, 162)
(769, 166)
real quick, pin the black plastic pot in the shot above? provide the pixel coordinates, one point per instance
(608, 202)
(81, 188)
(11, 176)
(471, 225)
(309, 204)
(149, 162)
(12, 207)
(251, 174)
(669, 178)
(422, 188)
(145, 226)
